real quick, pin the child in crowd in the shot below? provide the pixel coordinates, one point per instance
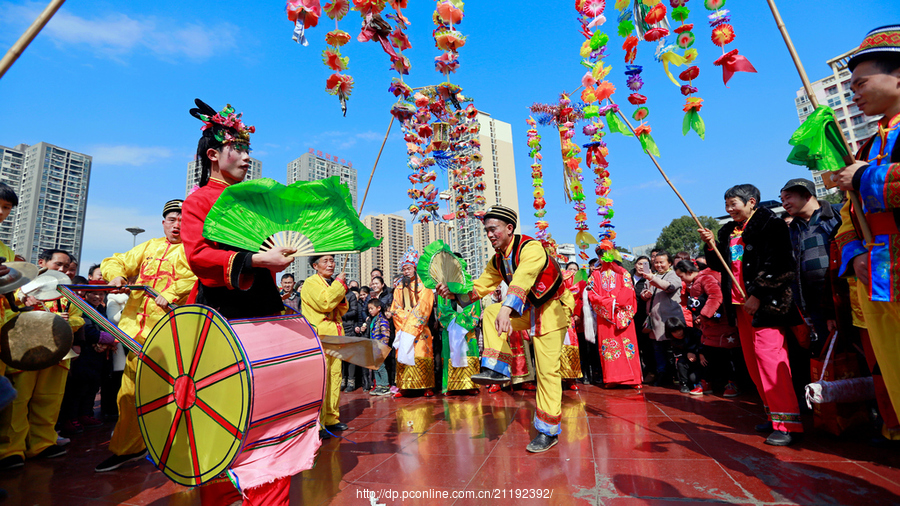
(86, 371)
(720, 345)
(685, 344)
(377, 327)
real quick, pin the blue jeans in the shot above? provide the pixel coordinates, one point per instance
(381, 377)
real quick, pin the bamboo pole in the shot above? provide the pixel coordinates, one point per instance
(848, 159)
(19, 47)
(371, 175)
(697, 220)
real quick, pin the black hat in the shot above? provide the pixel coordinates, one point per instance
(880, 42)
(172, 206)
(799, 182)
(502, 213)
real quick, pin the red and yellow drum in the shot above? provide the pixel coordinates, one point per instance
(240, 396)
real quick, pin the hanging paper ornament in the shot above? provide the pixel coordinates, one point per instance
(722, 35)
(341, 86)
(304, 14)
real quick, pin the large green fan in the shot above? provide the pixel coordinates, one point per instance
(315, 217)
(438, 264)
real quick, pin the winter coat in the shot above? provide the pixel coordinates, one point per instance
(706, 290)
(664, 304)
(768, 269)
(350, 320)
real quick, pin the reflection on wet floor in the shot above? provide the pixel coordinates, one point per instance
(617, 446)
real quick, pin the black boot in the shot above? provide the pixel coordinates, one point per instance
(542, 443)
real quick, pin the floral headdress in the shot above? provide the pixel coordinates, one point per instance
(228, 127)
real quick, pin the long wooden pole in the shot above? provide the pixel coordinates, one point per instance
(848, 158)
(371, 175)
(697, 220)
(19, 47)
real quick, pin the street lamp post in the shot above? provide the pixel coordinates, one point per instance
(134, 231)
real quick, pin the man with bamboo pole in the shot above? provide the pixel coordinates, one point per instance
(876, 176)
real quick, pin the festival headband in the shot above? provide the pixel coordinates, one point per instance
(882, 41)
(502, 213)
(172, 206)
(227, 126)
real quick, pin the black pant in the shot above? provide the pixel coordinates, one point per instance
(590, 359)
(78, 399)
(722, 364)
(688, 372)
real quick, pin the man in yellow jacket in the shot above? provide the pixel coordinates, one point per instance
(323, 303)
(160, 264)
(27, 425)
(537, 301)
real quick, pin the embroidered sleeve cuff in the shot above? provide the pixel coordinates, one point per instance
(850, 251)
(240, 265)
(514, 302)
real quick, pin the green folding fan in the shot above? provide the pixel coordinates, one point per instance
(437, 264)
(315, 217)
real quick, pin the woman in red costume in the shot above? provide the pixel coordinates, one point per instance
(611, 295)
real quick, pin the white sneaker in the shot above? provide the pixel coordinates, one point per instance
(62, 441)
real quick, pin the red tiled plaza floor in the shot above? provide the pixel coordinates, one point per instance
(617, 447)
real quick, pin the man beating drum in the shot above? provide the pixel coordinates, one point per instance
(160, 264)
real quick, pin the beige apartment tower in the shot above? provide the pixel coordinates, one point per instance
(426, 233)
(392, 229)
(467, 235)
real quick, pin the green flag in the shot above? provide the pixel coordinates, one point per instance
(817, 143)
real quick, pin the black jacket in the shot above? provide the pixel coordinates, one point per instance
(349, 320)
(768, 269)
(689, 343)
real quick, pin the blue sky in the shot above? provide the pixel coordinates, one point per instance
(116, 80)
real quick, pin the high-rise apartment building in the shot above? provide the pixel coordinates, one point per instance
(193, 174)
(387, 256)
(467, 235)
(834, 91)
(312, 166)
(426, 233)
(52, 186)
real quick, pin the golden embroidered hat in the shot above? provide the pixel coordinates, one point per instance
(172, 206)
(502, 213)
(882, 41)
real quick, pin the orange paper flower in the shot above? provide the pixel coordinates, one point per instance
(643, 129)
(693, 104)
(604, 90)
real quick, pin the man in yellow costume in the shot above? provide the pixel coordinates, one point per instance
(411, 308)
(27, 425)
(876, 176)
(537, 300)
(162, 265)
(323, 303)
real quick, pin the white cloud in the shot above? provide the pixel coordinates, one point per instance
(115, 35)
(105, 234)
(369, 136)
(135, 156)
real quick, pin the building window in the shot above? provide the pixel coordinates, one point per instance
(834, 102)
(831, 90)
(857, 120)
